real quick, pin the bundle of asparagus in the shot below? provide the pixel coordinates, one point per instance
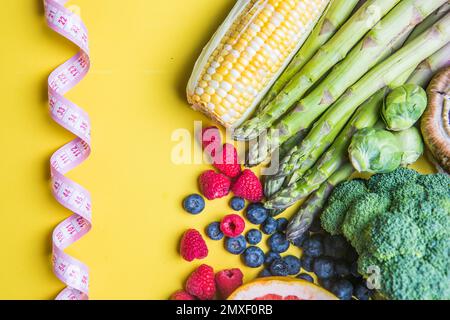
(393, 71)
(378, 44)
(333, 167)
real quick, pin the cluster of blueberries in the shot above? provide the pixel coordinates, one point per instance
(330, 258)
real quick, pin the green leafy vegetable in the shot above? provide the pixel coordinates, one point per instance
(404, 106)
(375, 151)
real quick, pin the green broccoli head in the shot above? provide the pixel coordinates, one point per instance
(386, 183)
(399, 223)
(410, 278)
(394, 234)
(360, 214)
(339, 202)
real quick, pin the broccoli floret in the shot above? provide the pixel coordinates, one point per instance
(332, 217)
(361, 213)
(339, 203)
(386, 183)
(438, 253)
(394, 234)
(407, 197)
(399, 223)
(366, 262)
(434, 220)
(410, 278)
(435, 183)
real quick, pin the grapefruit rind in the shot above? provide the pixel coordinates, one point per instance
(282, 287)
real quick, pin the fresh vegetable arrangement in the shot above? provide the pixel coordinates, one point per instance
(347, 91)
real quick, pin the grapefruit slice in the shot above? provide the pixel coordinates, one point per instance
(278, 288)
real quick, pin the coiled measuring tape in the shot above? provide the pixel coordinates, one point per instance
(73, 273)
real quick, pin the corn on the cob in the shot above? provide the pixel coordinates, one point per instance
(247, 54)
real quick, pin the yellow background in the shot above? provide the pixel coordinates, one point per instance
(142, 54)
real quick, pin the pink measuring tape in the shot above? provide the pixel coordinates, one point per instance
(68, 193)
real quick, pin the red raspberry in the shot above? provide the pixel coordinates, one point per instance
(232, 225)
(201, 283)
(227, 281)
(214, 185)
(248, 187)
(227, 161)
(193, 246)
(181, 295)
(211, 140)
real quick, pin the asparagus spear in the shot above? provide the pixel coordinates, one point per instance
(382, 74)
(359, 5)
(329, 54)
(311, 107)
(312, 207)
(283, 151)
(429, 21)
(336, 14)
(271, 186)
(422, 76)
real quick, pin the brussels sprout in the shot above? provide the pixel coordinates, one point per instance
(403, 107)
(375, 151)
(411, 144)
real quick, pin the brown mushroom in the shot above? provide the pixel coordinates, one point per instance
(436, 119)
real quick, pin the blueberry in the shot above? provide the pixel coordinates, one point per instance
(278, 243)
(327, 283)
(361, 292)
(194, 204)
(305, 276)
(253, 257)
(237, 203)
(307, 262)
(313, 246)
(298, 242)
(279, 268)
(323, 267)
(294, 264)
(269, 226)
(213, 231)
(270, 257)
(343, 289)
(235, 245)
(265, 273)
(342, 269)
(256, 213)
(254, 236)
(282, 224)
(335, 247)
